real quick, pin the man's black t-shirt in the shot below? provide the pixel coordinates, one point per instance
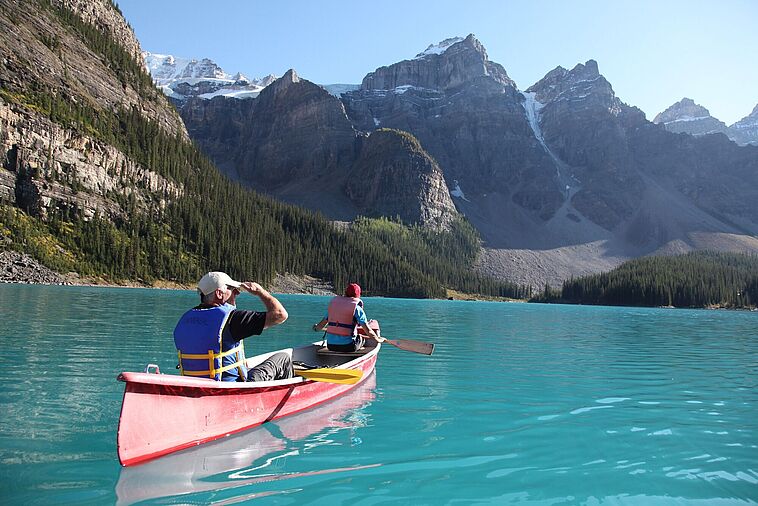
(242, 324)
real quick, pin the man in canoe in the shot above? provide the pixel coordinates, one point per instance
(344, 315)
(209, 336)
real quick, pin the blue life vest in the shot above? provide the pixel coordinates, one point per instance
(198, 340)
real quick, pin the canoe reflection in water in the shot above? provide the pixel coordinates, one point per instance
(253, 456)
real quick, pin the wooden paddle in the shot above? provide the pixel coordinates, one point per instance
(343, 376)
(411, 345)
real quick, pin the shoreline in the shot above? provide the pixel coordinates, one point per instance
(21, 268)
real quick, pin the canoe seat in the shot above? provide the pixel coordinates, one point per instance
(326, 351)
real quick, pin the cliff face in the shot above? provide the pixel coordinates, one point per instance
(583, 124)
(107, 18)
(293, 142)
(48, 167)
(54, 53)
(298, 131)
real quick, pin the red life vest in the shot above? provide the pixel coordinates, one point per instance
(341, 316)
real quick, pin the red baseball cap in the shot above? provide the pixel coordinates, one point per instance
(353, 290)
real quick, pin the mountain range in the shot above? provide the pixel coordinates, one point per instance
(180, 78)
(560, 179)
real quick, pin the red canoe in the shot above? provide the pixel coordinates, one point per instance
(251, 456)
(164, 413)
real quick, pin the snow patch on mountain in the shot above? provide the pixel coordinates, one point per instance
(338, 89)
(457, 192)
(686, 118)
(439, 48)
(182, 78)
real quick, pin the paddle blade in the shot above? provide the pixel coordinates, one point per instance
(343, 376)
(411, 345)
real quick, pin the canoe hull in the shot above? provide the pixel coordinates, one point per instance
(164, 413)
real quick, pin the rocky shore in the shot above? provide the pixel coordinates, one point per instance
(18, 267)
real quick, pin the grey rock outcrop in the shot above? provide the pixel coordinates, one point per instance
(394, 176)
(299, 131)
(583, 123)
(457, 62)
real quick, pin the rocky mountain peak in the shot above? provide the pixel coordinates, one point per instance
(439, 48)
(582, 81)
(745, 131)
(448, 64)
(280, 85)
(240, 79)
(684, 110)
(203, 68)
(265, 81)
(290, 77)
(688, 117)
(752, 117)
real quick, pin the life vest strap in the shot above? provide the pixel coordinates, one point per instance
(210, 354)
(214, 372)
(211, 357)
(342, 325)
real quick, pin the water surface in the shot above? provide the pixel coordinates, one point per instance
(520, 403)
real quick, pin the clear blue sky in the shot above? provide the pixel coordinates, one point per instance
(653, 52)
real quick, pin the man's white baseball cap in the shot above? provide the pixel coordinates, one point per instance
(213, 280)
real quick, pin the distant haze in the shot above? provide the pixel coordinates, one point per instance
(654, 53)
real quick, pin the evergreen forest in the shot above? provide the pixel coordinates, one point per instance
(699, 279)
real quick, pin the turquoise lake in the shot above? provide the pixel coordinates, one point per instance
(520, 404)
